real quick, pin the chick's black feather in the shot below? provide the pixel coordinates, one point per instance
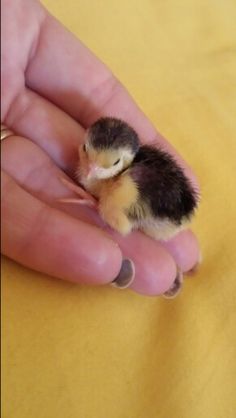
(113, 133)
(163, 185)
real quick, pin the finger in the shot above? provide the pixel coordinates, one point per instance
(34, 117)
(36, 172)
(155, 268)
(185, 243)
(33, 170)
(83, 86)
(47, 240)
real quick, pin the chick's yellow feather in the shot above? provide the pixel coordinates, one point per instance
(115, 200)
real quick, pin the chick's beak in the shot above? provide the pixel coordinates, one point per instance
(92, 171)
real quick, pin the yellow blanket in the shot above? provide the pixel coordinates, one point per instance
(79, 352)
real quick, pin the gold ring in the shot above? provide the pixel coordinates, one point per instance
(5, 132)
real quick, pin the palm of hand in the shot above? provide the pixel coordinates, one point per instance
(53, 88)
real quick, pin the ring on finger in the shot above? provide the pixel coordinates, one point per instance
(5, 132)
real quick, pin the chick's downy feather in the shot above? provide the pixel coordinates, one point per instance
(147, 190)
(162, 185)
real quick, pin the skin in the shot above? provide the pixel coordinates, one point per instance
(53, 88)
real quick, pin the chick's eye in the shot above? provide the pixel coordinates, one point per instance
(84, 148)
(116, 162)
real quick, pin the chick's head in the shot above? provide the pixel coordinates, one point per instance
(110, 147)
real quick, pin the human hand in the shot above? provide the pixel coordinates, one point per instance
(53, 88)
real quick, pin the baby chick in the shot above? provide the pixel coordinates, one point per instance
(137, 186)
(133, 186)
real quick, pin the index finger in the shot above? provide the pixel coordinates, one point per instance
(67, 73)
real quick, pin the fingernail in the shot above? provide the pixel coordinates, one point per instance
(176, 286)
(195, 268)
(125, 276)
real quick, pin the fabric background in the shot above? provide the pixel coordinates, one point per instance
(74, 351)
